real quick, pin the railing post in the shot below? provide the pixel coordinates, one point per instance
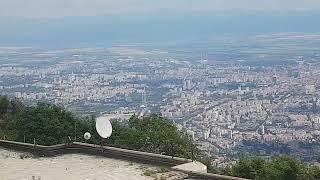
(70, 141)
(75, 131)
(102, 145)
(34, 145)
(192, 155)
(172, 149)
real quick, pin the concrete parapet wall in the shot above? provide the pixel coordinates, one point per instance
(98, 150)
(209, 176)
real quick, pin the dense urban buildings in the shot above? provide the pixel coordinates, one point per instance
(262, 101)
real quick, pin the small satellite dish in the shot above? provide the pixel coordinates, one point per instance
(104, 127)
(87, 136)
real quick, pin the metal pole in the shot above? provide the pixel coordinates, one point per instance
(24, 138)
(192, 155)
(191, 150)
(102, 145)
(75, 131)
(172, 149)
(34, 141)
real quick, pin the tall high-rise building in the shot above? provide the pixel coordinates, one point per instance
(310, 89)
(143, 97)
(239, 98)
(239, 90)
(262, 130)
(274, 79)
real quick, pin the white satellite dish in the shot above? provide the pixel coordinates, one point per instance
(104, 127)
(87, 136)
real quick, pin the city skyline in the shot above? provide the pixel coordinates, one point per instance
(258, 95)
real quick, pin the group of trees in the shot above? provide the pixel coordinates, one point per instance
(47, 124)
(281, 168)
(51, 124)
(152, 134)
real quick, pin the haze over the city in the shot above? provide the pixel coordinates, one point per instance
(62, 23)
(60, 8)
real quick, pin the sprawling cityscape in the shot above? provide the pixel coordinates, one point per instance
(260, 98)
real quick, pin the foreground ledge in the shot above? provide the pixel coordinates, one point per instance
(193, 169)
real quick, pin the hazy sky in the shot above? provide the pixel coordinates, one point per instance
(62, 8)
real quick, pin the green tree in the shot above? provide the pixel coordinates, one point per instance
(16, 106)
(282, 168)
(48, 124)
(4, 104)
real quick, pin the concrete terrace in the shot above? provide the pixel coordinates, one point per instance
(87, 161)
